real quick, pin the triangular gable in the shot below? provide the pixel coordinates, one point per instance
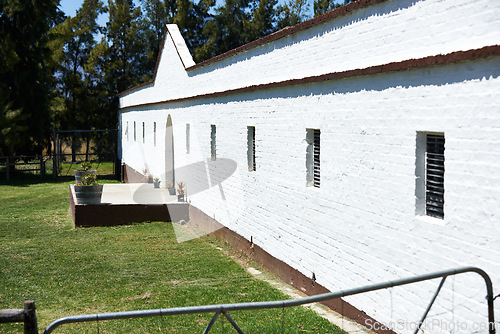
(180, 45)
(173, 59)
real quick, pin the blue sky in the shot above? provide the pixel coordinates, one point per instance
(71, 6)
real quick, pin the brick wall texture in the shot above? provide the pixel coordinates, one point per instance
(361, 226)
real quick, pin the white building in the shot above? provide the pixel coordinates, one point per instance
(323, 129)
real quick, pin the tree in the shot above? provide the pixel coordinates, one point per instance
(25, 75)
(156, 14)
(236, 23)
(117, 63)
(292, 12)
(323, 6)
(191, 17)
(126, 47)
(263, 21)
(74, 40)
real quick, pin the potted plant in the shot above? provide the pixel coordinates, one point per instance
(171, 189)
(147, 175)
(180, 191)
(156, 182)
(88, 191)
(85, 168)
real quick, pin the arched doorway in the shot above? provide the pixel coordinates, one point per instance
(169, 153)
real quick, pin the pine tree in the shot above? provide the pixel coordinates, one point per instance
(323, 6)
(75, 39)
(155, 15)
(263, 21)
(25, 74)
(292, 13)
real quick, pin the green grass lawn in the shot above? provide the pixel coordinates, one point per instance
(66, 169)
(69, 271)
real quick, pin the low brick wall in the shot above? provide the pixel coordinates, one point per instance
(121, 214)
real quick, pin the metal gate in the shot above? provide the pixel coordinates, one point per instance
(99, 147)
(224, 309)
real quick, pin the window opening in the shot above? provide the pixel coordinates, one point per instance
(251, 148)
(434, 180)
(188, 138)
(313, 161)
(154, 133)
(213, 146)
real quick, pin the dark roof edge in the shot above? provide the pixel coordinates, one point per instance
(341, 11)
(454, 57)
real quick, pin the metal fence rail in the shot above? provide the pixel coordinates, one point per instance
(23, 163)
(85, 145)
(226, 308)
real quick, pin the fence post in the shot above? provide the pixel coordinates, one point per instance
(7, 167)
(73, 149)
(54, 155)
(43, 167)
(30, 322)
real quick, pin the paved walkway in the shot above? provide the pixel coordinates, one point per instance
(136, 193)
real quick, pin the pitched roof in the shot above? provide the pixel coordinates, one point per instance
(189, 64)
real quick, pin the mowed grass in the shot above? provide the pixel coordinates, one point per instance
(69, 271)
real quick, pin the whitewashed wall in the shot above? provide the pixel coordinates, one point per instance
(360, 227)
(387, 32)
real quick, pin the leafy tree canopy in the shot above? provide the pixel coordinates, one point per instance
(74, 78)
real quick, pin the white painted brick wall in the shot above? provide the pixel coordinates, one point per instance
(387, 32)
(360, 227)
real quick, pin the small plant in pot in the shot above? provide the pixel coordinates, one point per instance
(147, 175)
(180, 191)
(85, 167)
(156, 182)
(88, 191)
(171, 189)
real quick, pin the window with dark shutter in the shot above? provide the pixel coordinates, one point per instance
(154, 133)
(313, 161)
(213, 146)
(251, 148)
(316, 152)
(434, 180)
(143, 132)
